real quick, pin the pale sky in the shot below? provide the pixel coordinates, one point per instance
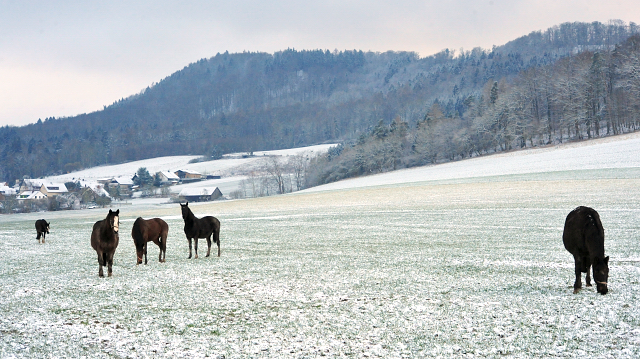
(63, 58)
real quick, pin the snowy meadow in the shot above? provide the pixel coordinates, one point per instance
(431, 266)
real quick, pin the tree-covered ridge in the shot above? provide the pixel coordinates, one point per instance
(250, 101)
(591, 94)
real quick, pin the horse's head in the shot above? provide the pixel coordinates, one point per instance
(185, 210)
(47, 227)
(601, 274)
(114, 220)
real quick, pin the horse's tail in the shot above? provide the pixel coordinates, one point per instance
(216, 233)
(136, 233)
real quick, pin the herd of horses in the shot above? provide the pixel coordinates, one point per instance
(583, 237)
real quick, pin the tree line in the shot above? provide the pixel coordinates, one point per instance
(583, 96)
(258, 101)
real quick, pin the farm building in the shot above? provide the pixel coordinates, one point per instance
(188, 175)
(200, 194)
(168, 177)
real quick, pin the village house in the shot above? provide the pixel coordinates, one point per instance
(188, 175)
(201, 194)
(29, 184)
(168, 178)
(5, 190)
(48, 189)
(124, 184)
(51, 189)
(30, 195)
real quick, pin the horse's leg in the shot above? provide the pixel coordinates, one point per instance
(208, 245)
(195, 246)
(100, 264)
(189, 257)
(44, 235)
(216, 237)
(577, 285)
(110, 264)
(162, 244)
(588, 265)
(145, 253)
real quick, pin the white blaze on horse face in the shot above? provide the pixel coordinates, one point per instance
(116, 223)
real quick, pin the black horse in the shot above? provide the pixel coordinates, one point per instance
(104, 239)
(42, 227)
(153, 230)
(583, 237)
(204, 227)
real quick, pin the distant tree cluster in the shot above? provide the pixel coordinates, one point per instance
(250, 101)
(590, 94)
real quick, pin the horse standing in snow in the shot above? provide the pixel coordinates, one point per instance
(583, 237)
(104, 239)
(204, 227)
(42, 228)
(153, 230)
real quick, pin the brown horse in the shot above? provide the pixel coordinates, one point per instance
(42, 228)
(104, 239)
(153, 230)
(583, 237)
(204, 227)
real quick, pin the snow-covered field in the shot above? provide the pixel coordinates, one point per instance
(459, 260)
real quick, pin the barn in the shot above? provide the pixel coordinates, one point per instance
(200, 194)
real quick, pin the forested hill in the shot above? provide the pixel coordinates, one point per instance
(259, 101)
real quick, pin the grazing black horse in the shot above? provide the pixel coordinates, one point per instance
(584, 238)
(204, 227)
(42, 227)
(104, 239)
(153, 230)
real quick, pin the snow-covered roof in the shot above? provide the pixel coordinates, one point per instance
(190, 172)
(170, 175)
(4, 189)
(124, 180)
(55, 187)
(198, 191)
(31, 195)
(33, 183)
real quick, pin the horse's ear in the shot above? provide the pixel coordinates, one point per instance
(110, 211)
(606, 260)
(186, 204)
(117, 212)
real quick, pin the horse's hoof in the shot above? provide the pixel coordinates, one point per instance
(576, 290)
(196, 257)
(110, 274)
(589, 285)
(207, 255)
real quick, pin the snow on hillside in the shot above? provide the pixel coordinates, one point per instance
(610, 152)
(231, 167)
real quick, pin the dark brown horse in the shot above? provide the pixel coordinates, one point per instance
(42, 228)
(204, 227)
(153, 230)
(583, 237)
(104, 239)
